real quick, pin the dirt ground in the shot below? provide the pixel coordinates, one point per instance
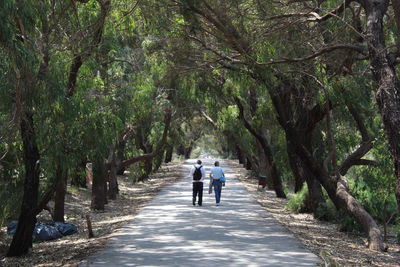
(70, 250)
(346, 249)
(323, 238)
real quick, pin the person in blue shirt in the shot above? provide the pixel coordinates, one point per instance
(216, 173)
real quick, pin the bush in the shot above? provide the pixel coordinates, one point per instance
(298, 202)
(326, 211)
(348, 223)
(10, 199)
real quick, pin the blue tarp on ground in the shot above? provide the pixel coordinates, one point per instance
(46, 231)
(12, 227)
(66, 228)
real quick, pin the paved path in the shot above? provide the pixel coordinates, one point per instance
(171, 232)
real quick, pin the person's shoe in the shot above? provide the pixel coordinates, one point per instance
(217, 204)
(200, 205)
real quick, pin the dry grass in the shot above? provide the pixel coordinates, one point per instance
(70, 250)
(346, 249)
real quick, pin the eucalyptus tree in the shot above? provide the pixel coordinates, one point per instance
(383, 64)
(36, 30)
(29, 77)
(249, 42)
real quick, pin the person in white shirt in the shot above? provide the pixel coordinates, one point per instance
(198, 173)
(216, 173)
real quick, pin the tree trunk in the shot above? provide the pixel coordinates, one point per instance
(302, 174)
(295, 166)
(335, 186)
(148, 163)
(387, 93)
(276, 179)
(271, 166)
(59, 199)
(338, 192)
(239, 155)
(120, 157)
(112, 179)
(99, 183)
(169, 154)
(187, 152)
(248, 164)
(158, 160)
(22, 240)
(148, 168)
(105, 185)
(273, 174)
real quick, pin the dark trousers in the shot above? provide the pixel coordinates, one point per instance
(198, 190)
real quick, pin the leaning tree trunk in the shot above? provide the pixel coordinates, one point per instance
(22, 240)
(339, 194)
(271, 165)
(99, 184)
(388, 91)
(334, 186)
(272, 169)
(59, 198)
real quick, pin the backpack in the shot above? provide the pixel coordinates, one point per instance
(197, 173)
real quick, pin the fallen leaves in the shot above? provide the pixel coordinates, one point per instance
(70, 250)
(346, 249)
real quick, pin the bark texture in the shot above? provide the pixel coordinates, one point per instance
(22, 239)
(387, 92)
(169, 153)
(112, 178)
(270, 163)
(59, 199)
(99, 185)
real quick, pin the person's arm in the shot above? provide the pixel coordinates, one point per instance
(203, 174)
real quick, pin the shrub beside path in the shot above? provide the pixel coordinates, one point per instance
(169, 231)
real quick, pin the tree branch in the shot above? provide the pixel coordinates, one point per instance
(208, 118)
(360, 125)
(366, 145)
(316, 114)
(160, 146)
(88, 50)
(358, 48)
(355, 157)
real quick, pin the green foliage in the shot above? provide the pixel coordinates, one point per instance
(326, 211)
(375, 186)
(153, 55)
(297, 202)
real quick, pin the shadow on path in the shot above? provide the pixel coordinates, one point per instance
(172, 232)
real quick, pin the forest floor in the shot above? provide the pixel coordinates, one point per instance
(70, 250)
(322, 238)
(347, 249)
